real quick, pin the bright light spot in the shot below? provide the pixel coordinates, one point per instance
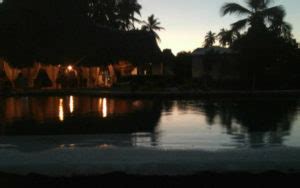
(61, 110)
(70, 68)
(104, 108)
(71, 104)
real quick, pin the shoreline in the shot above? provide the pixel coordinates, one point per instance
(153, 94)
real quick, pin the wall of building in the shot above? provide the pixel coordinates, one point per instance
(65, 76)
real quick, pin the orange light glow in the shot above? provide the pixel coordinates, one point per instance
(61, 110)
(70, 68)
(104, 108)
(71, 104)
(100, 106)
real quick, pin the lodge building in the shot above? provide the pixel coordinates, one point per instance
(94, 61)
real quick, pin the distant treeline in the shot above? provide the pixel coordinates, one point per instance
(273, 68)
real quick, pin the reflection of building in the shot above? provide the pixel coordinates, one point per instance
(42, 109)
(78, 115)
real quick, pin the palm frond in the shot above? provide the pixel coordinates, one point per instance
(234, 8)
(156, 27)
(286, 30)
(283, 28)
(239, 25)
(255, 4)
(275, 12)
(267, 3)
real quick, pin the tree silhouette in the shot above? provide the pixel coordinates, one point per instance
(103, 12)
(267, 45)
(258, 119)
(183, 66)
(210, 39)
(128, 10)
(119, 14)
(281, 28)
(259, 15)
(227, 37)
(152, 25)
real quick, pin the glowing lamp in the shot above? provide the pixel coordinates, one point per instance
(70, 68)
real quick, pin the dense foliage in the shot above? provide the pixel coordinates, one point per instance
(50, 31)
(266, 52)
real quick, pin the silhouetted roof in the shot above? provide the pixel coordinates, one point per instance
(95, 45)
(101, 45)
(215, 49)
(50, 31)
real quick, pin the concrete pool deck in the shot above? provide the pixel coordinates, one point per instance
(104, 159)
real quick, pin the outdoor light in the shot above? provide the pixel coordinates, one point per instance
(70, 68)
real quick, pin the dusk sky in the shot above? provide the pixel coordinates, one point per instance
(187, 21)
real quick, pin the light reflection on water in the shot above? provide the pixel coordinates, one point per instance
(71, 104)
(43, 109)
(104, 108)
(107, 122)
(61, 110)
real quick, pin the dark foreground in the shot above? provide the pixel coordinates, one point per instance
(205, 179)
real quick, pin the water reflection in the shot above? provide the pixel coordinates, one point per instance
(71, 104)
(42, 109)
(104, 108)
(61, 110)
(77, 115)
(180, 124)
(256, 122)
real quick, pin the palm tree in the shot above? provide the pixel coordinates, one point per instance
(152, 25)
(281, 28)
(127, 11)
(119, 14)
(103, 12)
(224, 37)
(210, 39)
(227, 37)
(258, 14)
